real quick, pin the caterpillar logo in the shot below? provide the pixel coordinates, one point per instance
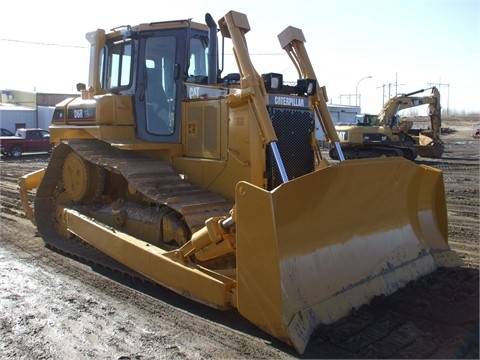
(290, 101)
(342, 135)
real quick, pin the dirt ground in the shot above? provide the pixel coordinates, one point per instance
(56, 307)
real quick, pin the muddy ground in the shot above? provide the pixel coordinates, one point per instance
(56, 307)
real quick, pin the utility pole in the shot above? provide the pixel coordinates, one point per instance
(389, 85)
(397, 84)
(448, 92)
(383, 93)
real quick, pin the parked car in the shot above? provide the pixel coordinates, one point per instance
(6, 132)
(24, 141)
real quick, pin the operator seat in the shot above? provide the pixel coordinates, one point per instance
(157, 104)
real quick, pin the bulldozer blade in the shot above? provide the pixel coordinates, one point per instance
(319, 246)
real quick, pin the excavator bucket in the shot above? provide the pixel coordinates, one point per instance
(430, 145)
(332, 240)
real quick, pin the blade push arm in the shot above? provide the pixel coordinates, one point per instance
(235, 25)
(292, 41)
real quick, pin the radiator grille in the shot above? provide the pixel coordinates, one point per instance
(294, 129)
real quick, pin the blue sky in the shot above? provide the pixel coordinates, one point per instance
(408, 43)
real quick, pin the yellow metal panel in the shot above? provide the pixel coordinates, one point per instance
(207, 174)
(245, 156)
(203, 126)
(124, 113)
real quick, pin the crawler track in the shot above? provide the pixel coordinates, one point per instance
(374, 151)
(154, 179)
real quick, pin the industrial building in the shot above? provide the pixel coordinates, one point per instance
(23, 109)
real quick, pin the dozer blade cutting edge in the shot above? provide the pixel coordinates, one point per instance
(328, 245)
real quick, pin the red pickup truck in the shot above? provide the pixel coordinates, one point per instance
(25, 140)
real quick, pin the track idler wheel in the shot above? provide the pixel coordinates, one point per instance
(82, 180)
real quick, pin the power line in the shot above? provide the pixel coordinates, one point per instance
(260, 54)
(86, 47)
(44, 44)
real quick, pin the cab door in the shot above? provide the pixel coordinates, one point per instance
(158, 99)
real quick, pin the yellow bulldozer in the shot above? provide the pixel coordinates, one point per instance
(386, 134)
(215, 187)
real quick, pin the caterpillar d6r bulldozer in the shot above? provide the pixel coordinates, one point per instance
(215, 188)
(387, 135)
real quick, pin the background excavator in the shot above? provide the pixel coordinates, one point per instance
(215, 187)
(386, 134)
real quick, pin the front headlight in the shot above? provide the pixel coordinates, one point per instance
(273, 82)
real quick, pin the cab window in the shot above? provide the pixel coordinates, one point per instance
(198, 66)
(120, 60)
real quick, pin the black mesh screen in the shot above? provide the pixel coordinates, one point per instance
(293, 128)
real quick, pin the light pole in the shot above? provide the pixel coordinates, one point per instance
(356, 89)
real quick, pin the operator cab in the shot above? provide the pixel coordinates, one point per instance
(152, 65)
(365, 119)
